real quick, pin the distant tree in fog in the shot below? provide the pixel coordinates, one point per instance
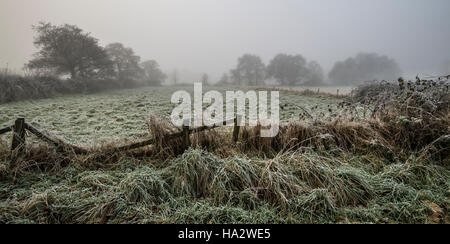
(224, 80)
(314, 75)
(126, 63)
(204, 80)
(153, 74)
(290, 70)
(250, 71)
(364, 67)
(66, 49)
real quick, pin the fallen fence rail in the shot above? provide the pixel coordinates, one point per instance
(57, 143)
(18, 141)
(5, 130)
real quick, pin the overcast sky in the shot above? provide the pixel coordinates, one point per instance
(209, 35)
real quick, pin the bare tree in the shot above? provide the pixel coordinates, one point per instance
(66, 49)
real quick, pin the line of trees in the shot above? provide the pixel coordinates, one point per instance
(292, 70)
(364, 67)
(286, 70)
(67, 50)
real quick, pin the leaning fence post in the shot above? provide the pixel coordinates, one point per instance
(18, 139)
(186, 141)
(237, 121)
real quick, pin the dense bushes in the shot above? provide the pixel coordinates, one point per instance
(17, 87)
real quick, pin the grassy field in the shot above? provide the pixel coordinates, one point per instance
(116, 115)
(323, 171)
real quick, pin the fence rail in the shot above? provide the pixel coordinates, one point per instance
(5, 130)
(61, 145)
(20, 126)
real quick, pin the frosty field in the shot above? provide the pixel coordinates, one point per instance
(331, 169)
(124, 114)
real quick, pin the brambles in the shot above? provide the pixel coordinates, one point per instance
(412, 101)
(415, 113)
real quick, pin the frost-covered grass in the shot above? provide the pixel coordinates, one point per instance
(123, 114)
(327, 170)
(201, 188)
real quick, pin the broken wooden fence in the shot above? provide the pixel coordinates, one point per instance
(20, 126)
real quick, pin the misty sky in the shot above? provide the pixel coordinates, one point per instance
(209, 35)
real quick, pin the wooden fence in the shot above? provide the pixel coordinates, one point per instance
(20, 126)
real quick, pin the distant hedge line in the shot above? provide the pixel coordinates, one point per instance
(17, 88)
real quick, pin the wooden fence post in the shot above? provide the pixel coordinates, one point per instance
(236, 128)
(18, 139)
(186, 132)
